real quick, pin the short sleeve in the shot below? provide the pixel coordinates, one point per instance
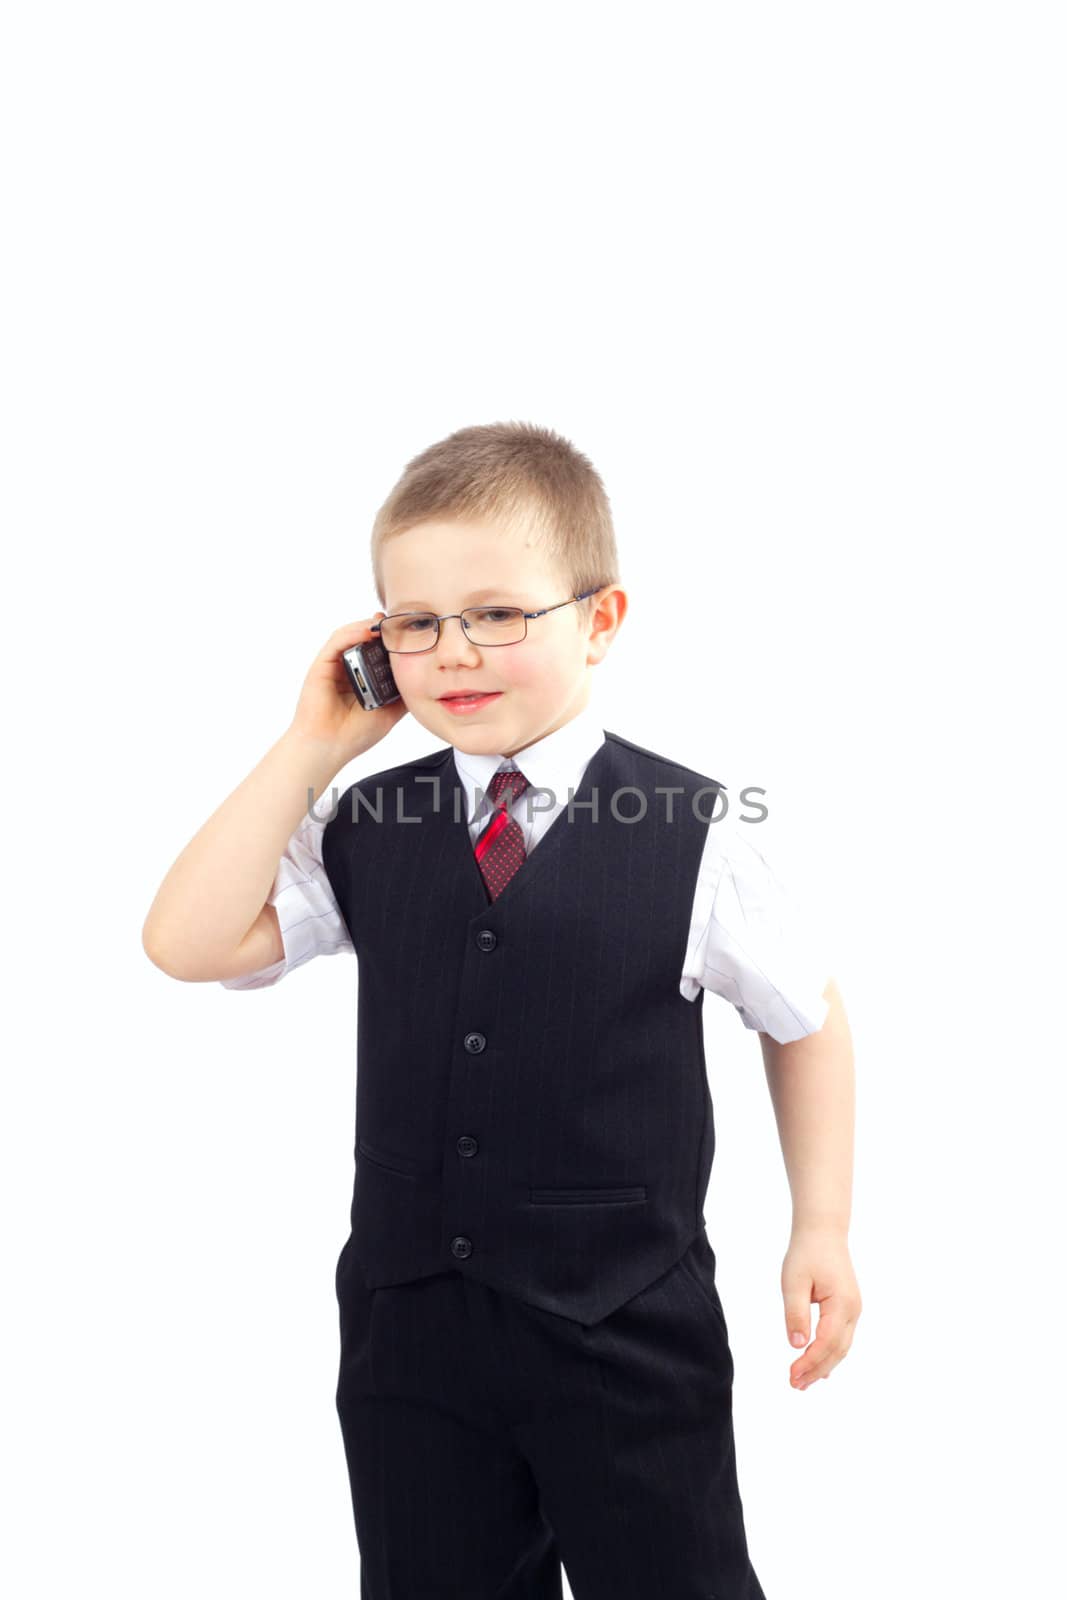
(308, 914)
(754, 941)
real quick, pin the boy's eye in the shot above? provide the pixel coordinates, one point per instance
(418, 624)
(496, 614)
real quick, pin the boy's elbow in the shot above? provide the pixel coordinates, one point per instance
(163, 958)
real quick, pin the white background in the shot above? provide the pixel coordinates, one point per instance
(793, 278)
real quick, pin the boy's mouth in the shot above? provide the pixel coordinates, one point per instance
(469, 701)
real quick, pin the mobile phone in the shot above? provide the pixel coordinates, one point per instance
(370, 674)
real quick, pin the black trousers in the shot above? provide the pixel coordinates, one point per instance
(489, 1441)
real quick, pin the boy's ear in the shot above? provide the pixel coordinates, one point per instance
(606, 618)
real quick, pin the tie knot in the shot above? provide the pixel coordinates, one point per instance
(512, 784)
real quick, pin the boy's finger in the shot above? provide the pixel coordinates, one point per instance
(347, 634)
(812, 1370)
(798, 1316)
(359, 626)
(826, 1350)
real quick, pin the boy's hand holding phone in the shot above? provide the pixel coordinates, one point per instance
(330, 712)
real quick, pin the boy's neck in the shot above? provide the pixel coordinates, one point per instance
(571, 715)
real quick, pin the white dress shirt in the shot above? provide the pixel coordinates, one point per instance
(747, 940)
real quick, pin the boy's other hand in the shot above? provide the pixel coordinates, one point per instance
(817, 1268)
(329, 712)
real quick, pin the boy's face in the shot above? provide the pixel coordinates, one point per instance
(536, 685)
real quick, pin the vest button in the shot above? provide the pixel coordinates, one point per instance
(486, 939)
(461, 1246)
(474, 1043)
(466, 1145)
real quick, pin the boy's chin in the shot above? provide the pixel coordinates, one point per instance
(475, 734)
(482, 740)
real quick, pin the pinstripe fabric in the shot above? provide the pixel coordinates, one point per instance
(539, 1110)
(490, 1443)
(535, 1370)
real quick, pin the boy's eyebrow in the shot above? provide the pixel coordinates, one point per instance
(479, 594)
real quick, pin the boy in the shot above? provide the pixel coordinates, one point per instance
(535, 1368)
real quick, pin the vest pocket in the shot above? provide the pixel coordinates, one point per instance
(399, 1166)
(587, 1197)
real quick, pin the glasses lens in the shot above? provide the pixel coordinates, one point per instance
(417, 630)
(412, 630)
(494, 624)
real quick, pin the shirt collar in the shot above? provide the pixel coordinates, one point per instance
(555, 762)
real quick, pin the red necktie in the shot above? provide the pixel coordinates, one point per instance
(500, 849)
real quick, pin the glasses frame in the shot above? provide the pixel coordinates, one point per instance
(376, 627)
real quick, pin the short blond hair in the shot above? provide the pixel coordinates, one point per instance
(529, 478)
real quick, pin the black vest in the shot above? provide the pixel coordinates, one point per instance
(532, 1102)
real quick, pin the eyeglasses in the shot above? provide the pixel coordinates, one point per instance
(405, 632)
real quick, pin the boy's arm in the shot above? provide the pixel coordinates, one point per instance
(309, 920)
(812, 1087)
(261, 947)
(209, 919)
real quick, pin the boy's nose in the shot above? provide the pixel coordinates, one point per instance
(455, 644)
